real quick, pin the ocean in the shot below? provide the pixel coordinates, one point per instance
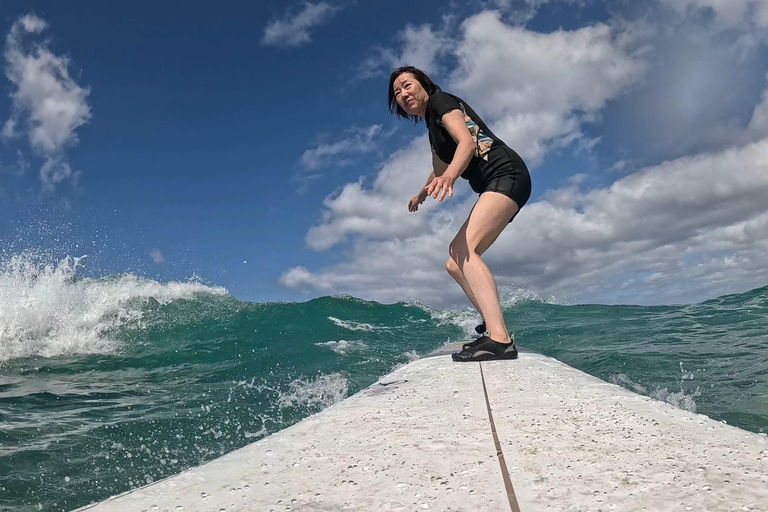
(109, 384)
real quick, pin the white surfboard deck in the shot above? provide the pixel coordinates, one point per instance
(420, 439)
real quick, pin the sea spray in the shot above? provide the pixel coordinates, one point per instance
(45, 310)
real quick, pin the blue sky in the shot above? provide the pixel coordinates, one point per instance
(249, 144)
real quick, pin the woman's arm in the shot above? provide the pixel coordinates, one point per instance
(456, 125)
(423, 194)
(465, 148)
(438, 166)
(413, 204)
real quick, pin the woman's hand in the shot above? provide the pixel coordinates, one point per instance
(413, 204)
(440, 186)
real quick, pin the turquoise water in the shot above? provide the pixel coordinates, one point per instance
(109, 384)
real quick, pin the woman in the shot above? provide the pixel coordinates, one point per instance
(462, 145)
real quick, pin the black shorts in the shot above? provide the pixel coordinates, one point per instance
(503, 172)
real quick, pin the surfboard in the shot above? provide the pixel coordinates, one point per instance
(524, 434)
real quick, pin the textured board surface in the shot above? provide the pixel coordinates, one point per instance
(420, 439)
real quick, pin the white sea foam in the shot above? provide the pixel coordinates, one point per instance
(468, 318)
(261, 433)
(45, 310)
(511, 296)
(344, 347)
(356, 326)
(321, 392)
(412, 356)
(681, 399)
(621, 379)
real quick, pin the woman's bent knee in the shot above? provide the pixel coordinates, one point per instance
(452, 267)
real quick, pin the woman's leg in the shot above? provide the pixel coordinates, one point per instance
(455, 271)
(485, 223)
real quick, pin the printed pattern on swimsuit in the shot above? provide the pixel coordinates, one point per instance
(482, 141)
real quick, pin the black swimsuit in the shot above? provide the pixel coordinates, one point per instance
(494, 167)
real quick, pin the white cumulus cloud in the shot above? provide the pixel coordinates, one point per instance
(539, 88)
(522, 11)
(379, 211)
(338, 154)
(727, 12)
(421, 46)
(361, 140)
(294, 29)
(758, 124)
(48, 105)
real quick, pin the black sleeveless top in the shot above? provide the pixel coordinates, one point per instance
(440, 139)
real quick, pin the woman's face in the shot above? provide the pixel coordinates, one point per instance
(410, 95)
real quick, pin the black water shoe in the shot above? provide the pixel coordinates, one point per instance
(472, 344)
(486, 349)
(480, 329)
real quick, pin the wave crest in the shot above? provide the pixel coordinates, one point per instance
(45, 310)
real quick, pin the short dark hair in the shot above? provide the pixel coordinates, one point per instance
(423, 79)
